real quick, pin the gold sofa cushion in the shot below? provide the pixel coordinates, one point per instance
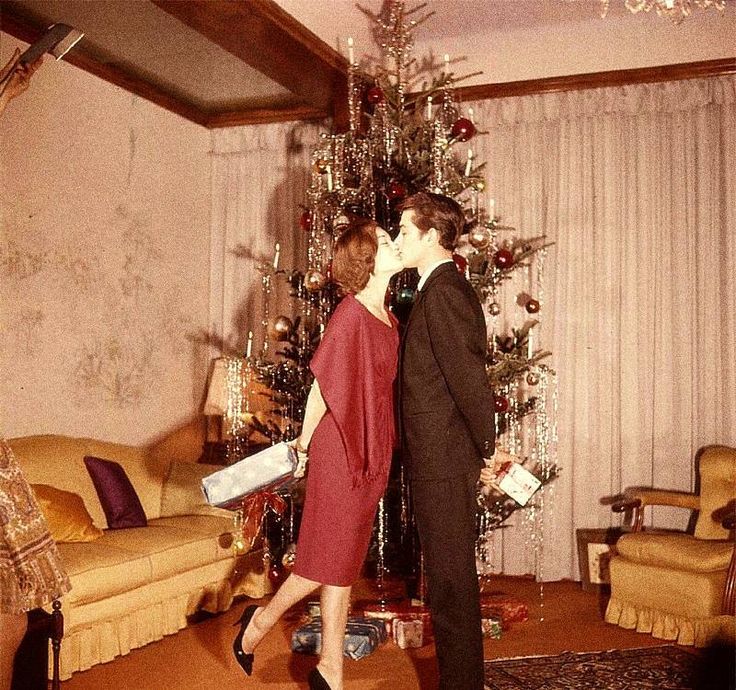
(65, 514)
(170, 550)
(677, 551)
(99, 570)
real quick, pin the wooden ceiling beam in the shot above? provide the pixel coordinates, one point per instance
(261, 116)
(271, 41)
(598, 80)
(24, 31)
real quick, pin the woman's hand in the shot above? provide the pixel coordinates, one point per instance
(302, 455)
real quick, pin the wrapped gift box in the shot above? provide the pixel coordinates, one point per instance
(491, 627)
(518, 482)
(504, 608)
(268, 470)
(314, 609)
(390, 613)
(409, 633)
(362, 636)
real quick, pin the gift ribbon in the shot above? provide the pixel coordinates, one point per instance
(254, 510)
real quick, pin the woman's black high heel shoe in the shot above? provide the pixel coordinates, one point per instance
(245, 660)
(317, 681)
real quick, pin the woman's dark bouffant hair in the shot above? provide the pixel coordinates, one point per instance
(354, 255)
(439, 212)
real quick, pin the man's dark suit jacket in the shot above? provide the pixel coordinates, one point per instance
(446, 402)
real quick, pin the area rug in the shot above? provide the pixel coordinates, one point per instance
(657, 668)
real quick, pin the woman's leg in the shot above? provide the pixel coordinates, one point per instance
(335, 602)
(12, 630)
(293, 590)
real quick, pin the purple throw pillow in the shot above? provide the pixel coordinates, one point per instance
(120, 503)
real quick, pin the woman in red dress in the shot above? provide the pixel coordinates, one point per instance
(349, 430)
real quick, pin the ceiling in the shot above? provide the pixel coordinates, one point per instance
(191, 57)
(229, 62)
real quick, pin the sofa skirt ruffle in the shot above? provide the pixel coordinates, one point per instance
(135, 619)
(700, 632)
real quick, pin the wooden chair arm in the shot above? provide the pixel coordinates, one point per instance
(728, 603)
(635, 500)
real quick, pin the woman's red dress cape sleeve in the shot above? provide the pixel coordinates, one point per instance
(343, 367)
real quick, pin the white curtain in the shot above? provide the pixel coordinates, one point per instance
(637, 187)
(259, 184)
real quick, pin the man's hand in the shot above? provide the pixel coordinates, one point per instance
(489, 474)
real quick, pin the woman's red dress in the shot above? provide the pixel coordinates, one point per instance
(350, 452)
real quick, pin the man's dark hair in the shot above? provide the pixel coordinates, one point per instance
(439, 212)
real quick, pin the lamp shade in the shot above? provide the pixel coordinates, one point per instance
(216, 403)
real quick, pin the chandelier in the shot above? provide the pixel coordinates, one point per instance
(676, 10)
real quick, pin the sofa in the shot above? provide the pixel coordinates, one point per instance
(132, 586)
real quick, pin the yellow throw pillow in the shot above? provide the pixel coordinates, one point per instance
(67, 518)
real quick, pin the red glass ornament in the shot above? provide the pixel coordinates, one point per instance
(374, 95)
(395, 190)
(462, 129)
(503, 259)
(532, 306)
(501, 404)
(305, 221)
(461, 262)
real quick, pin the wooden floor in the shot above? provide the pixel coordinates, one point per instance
(562, 618)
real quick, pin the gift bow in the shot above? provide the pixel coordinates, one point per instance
(254, 509)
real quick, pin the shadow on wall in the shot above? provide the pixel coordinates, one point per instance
(183, 443)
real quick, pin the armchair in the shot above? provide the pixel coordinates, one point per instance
(681, 585)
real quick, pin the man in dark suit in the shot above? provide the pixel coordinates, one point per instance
(448, 429)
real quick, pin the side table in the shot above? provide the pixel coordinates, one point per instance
(31, 665)
(595, 548)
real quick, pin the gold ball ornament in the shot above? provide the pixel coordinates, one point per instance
(282, 327)
(314, 280)
(320, 165)
(532, 378)
(289, 557)
(479, 237)
(494, 308)
(479, 185)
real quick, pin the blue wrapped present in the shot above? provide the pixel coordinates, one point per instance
(265, 471)
(362, 636)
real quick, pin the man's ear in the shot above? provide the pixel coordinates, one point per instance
(432, 235)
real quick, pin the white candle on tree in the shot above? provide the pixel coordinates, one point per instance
(276, 257)
(469, 163)
(249, 346)
(351, 51)
(429, 107)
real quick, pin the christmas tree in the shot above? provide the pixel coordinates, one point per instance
(406, 134)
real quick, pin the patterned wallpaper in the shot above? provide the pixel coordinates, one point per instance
(104, 261)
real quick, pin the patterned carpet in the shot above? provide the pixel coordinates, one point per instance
(656, 668)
